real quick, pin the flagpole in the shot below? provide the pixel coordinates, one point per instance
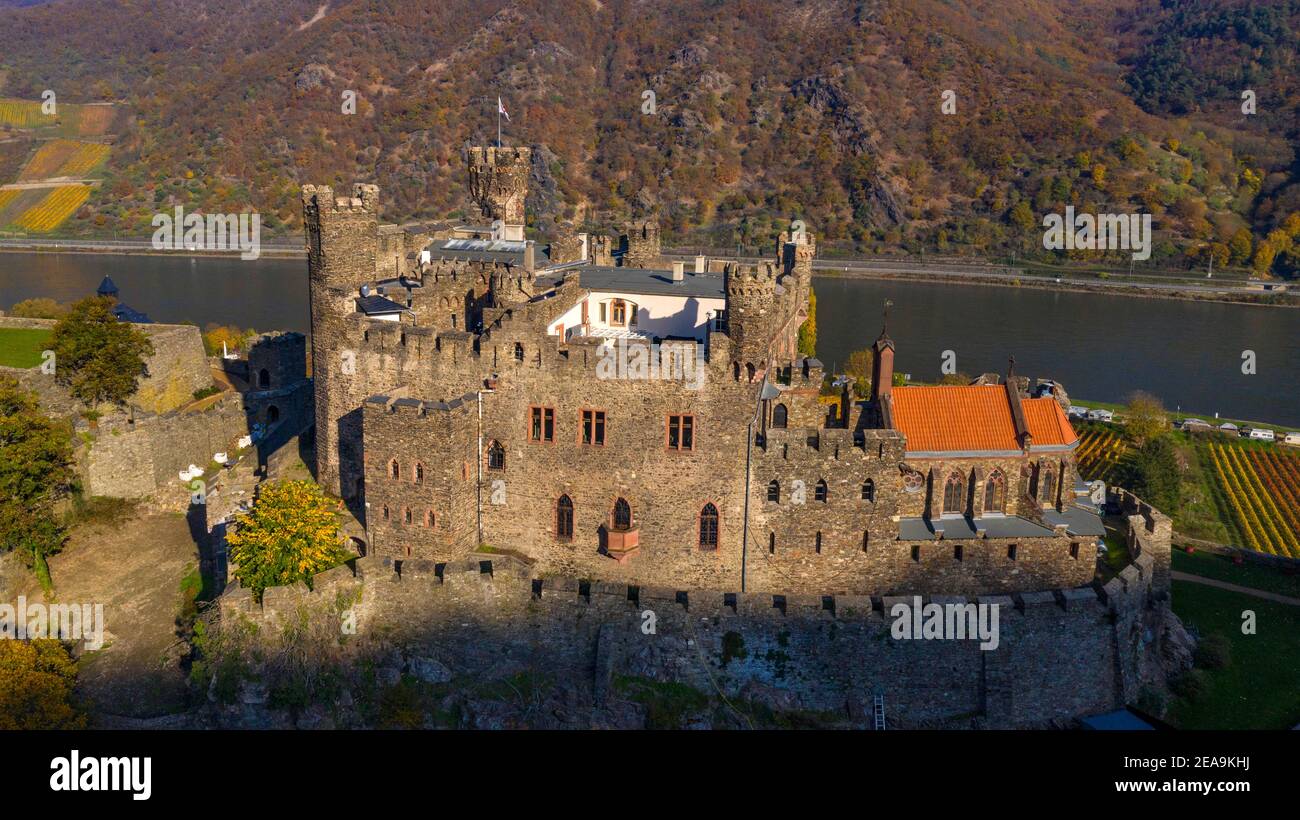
(498, 122)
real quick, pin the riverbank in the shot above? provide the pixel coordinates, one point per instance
(1238, 296)
(127, 247)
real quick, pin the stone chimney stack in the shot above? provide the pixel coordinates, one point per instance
(679, 271)
(530, 256)
(699, 264)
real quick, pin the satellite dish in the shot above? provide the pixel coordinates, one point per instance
(365, 290)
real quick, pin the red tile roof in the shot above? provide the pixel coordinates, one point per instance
(974, 417)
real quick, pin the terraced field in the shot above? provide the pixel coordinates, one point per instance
(1257, 490)
(1101, 448)
(22, 113)
(63, 158)
(56, 206)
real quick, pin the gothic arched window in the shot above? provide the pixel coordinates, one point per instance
(709, 527)
(868, 490)
(779, 416)
(774, 491)
(622, 515)
(564, 518)
(995, 493)
(954, 495)
(496, 456)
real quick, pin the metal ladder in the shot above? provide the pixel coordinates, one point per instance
(878, 710)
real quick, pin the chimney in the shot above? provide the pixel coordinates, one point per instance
(530, 256)
(679, 271)
(699, 264)
(882, 368)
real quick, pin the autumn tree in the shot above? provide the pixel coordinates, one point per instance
(808, 330)
(36, 682)
(1145, 418)
(291, 534)
(97, 357)
(35, 472)
(858, 365)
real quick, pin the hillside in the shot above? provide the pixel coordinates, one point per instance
(764, 112)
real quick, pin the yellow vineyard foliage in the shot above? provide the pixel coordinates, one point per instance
(22, 113)
(64, 158)
(8, 195)
(58, 205)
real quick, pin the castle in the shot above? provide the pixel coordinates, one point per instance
(608, 413)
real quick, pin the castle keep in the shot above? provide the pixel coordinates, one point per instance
(610, 413)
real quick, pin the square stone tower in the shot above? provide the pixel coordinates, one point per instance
(498, 182)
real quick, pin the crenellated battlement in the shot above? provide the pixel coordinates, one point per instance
(320, 199)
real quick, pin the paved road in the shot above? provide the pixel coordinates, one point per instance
(1211, 582)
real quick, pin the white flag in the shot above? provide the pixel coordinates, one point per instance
(501, 109)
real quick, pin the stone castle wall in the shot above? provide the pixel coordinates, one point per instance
(177, 368)
(1062, 653)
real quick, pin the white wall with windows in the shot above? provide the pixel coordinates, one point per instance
(646, 314)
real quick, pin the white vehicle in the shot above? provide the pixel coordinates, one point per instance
(1258, 433)
(1077, 412)
(1291, 438)
(1100, 415)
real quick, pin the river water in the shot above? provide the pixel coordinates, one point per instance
(1100, 346)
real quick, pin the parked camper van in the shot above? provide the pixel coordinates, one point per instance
(1292, 439)
(1257, 433)
(1100, 415)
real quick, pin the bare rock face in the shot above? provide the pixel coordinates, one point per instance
(312, 76)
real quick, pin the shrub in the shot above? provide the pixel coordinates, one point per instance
(1214, 652)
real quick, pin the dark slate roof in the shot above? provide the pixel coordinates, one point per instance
(107, 287)
(1078, 521)
(964, 529)
(126, 313)
(652, 282)
(371, 305)
(1120, 719)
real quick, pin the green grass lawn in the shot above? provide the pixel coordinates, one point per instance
(1260, 688)
(1221, 568)
(21, 346)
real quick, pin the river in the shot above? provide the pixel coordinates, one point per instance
(1100, 346)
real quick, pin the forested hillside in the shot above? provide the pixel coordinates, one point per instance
(764, 111)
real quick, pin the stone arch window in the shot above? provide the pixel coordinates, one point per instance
(564, 518)
(263, 378)
(709, 527)
(496, 456)
(995, 493)
(749, 371)
(622, 516)
(774, 491)
(866, 540)
(417, 474)
(1048, 483)
(735, 369)
(954, 495)
(780, 415)
(272, 414)
(406, 515)
(868, 490)
(817, 544)
(430, 520)
(394, 469)
(386, 512)
(771, 543)
(519, 352)
(822, 493)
